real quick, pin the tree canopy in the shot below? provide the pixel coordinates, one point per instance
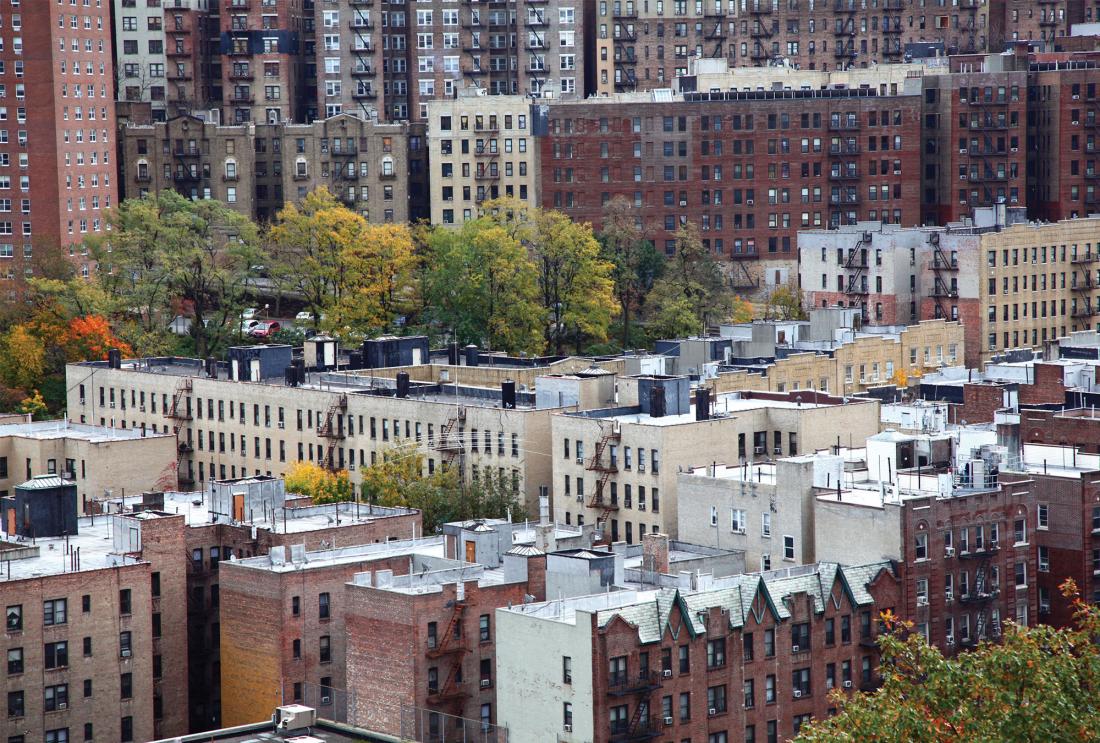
(1038, 684)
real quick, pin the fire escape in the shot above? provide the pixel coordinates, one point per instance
(642, 725)
(1082, 306)
(472, 46)
(990, 161)
(362, 70)
(452, 646)
(983, 593)
(945, 282)
(761, 20)
(450, 444)
(855, 266)
(179, 412)
(345, 169)
(604, 469)
(536, 60)
(845, 32)
(487, 154)
(714, 23)
(331, 428)
(624, 38)
(503, 57)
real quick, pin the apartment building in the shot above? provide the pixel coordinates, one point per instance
(96, 459)
(372, 168)
(976, 120)
(262, 62)
(749, 657)
(227, 429)
(830, 157)
(162, 54)
(480, 147)
(57, 132)
(1063, 178)
(619, 466)
(152, 656)
(643, 46)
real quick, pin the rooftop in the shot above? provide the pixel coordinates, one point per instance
(94, 546)
(261, 732)
(725, 405)
(60, 429)
(300, 559)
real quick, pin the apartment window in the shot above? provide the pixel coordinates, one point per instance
(56, 655)
(800, 637)
(16, 704)
(567, 715)
(1044, 559)
(566, 669)
(15, 661)
(296, 649)
(125, 645)
(1019, 531)
(921, 546)
(685, 659)
(769, 643)
(1043, 516)
(323, 606)
(13, 618)
(1021, 574)
(54, 611)
(124, 601)
(295, 606)
(788, 547)
(716, 698)
(126, 684)
(716, 653)
(800, 682)
(324, 651)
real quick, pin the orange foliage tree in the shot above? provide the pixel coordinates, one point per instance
(89, 338)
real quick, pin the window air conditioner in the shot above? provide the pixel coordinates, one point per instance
(712, 711)
(797, 694)
(794, 648)
(485, 683)
(667, 673)
(568, 728)
(847, 684)
(668, 720)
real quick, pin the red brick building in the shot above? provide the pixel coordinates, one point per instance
(262, 62)
(58, 132)
(749, 169)
(751, 657)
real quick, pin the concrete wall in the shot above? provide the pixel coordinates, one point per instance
(855, 534)
(529, 667)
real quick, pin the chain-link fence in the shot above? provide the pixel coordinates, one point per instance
(429, 726)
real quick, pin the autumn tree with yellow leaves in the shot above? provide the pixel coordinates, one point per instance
(1038, 684)
(320, 484)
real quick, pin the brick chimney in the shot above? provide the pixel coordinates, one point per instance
(655, 552)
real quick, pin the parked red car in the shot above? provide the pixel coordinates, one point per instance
(265, 329)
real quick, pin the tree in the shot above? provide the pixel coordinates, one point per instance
(90, 338)
(376, 277)
(692, 282)
(480, 284)
(306, 242)
(636, 264)
(34, 406)
(167, 248)
(785, 303)
(321, 485)
(742, 310)
(1039, 684)
(575, 287)
(22, 359)
(398, 479)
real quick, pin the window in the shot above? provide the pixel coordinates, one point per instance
(125, 646)
(769, 643)
(126, 684)
(566, 669)
(1044, 559)
(716, 698)
(54, 612)
(716, 653)
(1043, 516)
(324, 650)
(323, 606)
(800, 682)
(746, 646)
(567, 715)
(800, 637)
(921, 546)
(16, 704)
(483, 628)
(788, 547)
(124, 601)
(57, 655)
(15, 661)
(685, 659)
(737, 520)
(1019, 531)
(13, 618)
(769, 689)
(295, 606)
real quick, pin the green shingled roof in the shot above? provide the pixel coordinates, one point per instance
(736, 595)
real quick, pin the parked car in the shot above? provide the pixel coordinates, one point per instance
(250, 313)
(265, 329)
(248, 325)
(305, 317)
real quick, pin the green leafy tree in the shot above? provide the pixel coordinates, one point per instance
(692, 281)
(306, 242)
(636, 264)
(166, 249)
(1038, 684)
(575, 287)
(22, 359)
(480, 284)
(398, 478)
(785, 303)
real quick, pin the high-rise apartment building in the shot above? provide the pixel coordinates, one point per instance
(57, 128)
(262, 61)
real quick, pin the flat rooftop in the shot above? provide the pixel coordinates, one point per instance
(317, 559)
(60, 429)
(724, 405)
(22, 558)
(350, 382)
(261, 732)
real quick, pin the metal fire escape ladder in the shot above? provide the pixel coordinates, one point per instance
(609, 435)
(331, 428)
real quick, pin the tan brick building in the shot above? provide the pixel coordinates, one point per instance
(480, 147)
(257, 168)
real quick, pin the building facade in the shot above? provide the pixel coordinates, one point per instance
(257, 168)
(262, 62)
(480, 147)
(752, 657)
(749, 169)
(58, 134)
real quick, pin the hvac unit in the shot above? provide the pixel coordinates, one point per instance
(794, 648)
(948, 551)
(568, 728)
(712, 711)
(485, 683)
(668, 720)
(847, 684)
(797, 694)
(295, 717)
(667, 673)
